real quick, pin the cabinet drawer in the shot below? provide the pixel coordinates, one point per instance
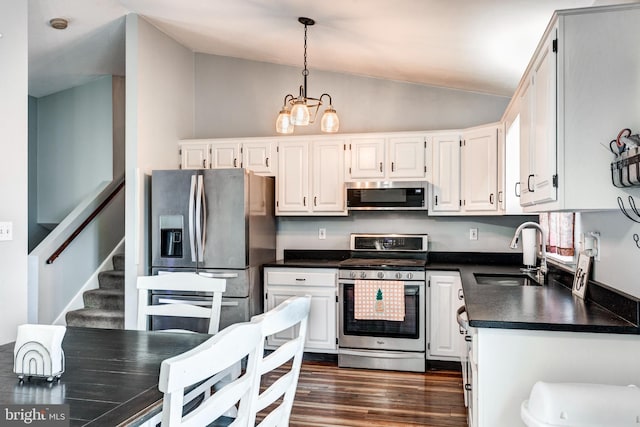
(299, 278)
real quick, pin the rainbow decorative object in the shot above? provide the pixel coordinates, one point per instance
(38, 352)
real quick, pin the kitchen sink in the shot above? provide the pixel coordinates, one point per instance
(505, 279)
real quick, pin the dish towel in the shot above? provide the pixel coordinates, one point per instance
(379, 300)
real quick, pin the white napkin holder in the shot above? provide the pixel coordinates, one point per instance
(38, 351)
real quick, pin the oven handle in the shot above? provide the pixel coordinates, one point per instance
(384, 354)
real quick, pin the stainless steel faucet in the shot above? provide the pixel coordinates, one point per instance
(542, 271)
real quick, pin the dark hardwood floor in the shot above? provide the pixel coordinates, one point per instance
(332, 396)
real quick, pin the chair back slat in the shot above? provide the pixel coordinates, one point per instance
(292, 314)
(214, 356)
(180, 282)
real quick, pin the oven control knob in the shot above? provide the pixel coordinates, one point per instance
(398, 275)
(409, 275)
(363, 274)
(352, 274)
(380, 275)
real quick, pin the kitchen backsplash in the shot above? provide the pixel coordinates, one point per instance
(445, 234)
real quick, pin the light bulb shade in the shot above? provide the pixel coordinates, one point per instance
(283, 123)
(330, 122)
(300, 113)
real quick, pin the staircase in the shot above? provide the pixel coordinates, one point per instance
(103, 307)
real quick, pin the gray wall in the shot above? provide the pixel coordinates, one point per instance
(237, 97)
(75, 147)
(36, 231)
(619, 253)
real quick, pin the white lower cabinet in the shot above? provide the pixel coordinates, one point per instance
(508, 362)
(445, 297)
(282, 283)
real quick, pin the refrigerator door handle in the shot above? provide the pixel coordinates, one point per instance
(218, 275)
(201, 218)
(192, 196)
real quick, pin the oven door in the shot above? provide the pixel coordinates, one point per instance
(408, 335)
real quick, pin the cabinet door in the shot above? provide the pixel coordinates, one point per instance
(367, 158)
(446, 173)
(480, 169)
(292, 185)
(407, 157)
(328, 176)
(321, 325)
(544, 123)
(260, 157)
(225, 155)
(195, 156)
(526, 164)
(445, 340)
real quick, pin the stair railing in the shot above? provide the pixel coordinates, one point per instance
(84, 224)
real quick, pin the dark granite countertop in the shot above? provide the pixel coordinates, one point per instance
(551, 307)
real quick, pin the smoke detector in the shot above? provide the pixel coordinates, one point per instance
(59, 23)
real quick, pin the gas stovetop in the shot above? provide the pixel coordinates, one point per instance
(383, 263)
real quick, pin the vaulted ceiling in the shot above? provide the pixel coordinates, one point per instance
(476, 45)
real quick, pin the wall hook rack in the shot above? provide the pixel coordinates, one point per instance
(632, 205)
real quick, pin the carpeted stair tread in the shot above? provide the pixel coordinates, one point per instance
(107, 299)
(96, 318)
(118, 262)
(111, 279)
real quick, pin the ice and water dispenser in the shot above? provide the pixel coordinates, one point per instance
(171, 236)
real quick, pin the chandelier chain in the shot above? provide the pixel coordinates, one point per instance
(305, 72)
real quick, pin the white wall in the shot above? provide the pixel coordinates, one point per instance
(159, 105)
(446, 234)
(75, 147)
(13, 166)
(619, 252)
(237, 97)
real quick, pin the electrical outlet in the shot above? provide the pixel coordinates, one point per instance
(322, 233)
(473, 234)
(6, 231)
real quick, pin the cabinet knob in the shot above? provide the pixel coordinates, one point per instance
(531, 190)
(266, 161)
(491, 198)
(460, 295)
(467, 387)
(380, 166)
(304, 201)
(315, 200)
(235, 163)
(516, 189)
(393, 166)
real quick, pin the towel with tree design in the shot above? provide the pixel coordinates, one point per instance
(379, 300)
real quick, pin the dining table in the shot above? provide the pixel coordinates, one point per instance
(110, 376)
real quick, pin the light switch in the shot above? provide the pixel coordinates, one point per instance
(6, 231)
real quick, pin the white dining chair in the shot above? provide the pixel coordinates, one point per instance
(210, 359)
(210, 309)
(180, 282)
(291, 314)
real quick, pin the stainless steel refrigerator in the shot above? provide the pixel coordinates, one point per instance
(219, 223)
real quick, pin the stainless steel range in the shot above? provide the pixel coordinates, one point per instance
(378, 260)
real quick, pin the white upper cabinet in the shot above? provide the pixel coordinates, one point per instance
(480, 169)
(260, 156)
(226, 155)
(445, 194)
(575, 97)
(257, 155)
(315, 190)
(538, 130)
(385, 156)
(195, 154)
(465, 172)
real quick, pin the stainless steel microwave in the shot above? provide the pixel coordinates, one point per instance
(387, 195)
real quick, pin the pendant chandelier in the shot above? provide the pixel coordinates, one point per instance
(302, 111)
